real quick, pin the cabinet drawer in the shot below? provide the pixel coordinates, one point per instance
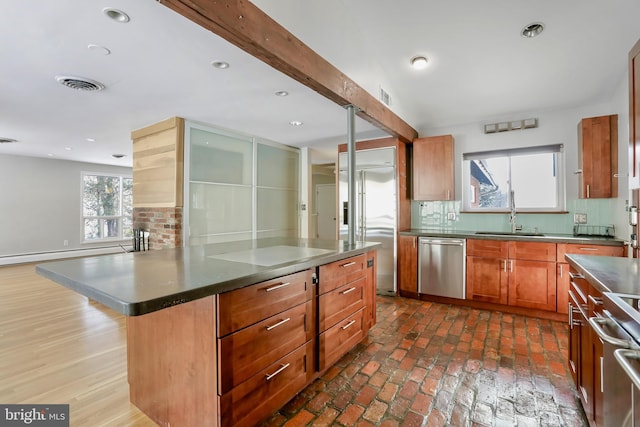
(573, 248)
(487, 248)
(339, 339)
(532, 251)
(246, 306)
(248, 351)
(340, 272)
(268, 390)
(339, 303)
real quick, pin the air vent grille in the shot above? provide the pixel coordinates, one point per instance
(7, 140)
(385, 97)
(80, 83)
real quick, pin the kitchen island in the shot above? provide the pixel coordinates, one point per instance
(226, 334)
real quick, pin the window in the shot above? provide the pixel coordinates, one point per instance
(107, 207)
(532, 178)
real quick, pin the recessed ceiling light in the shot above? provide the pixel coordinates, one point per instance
(282, 93)
(118, 156)
(50, 154)
(532, 30)
(101, 50)
(419, 62)
(296, 123)
(221, 65)
(90, 139)
(68, 148)
(116, 14)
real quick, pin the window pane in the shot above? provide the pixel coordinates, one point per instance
(110, 228)
(534, 181)
(101, 195)
(489, 179)
(91, 229)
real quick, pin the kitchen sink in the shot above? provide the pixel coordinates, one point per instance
(510, 233)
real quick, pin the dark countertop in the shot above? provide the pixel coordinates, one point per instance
(546, 237)
(609, 274)
(141, 282)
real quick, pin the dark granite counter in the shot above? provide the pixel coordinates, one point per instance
(609, 274)
(524, 236)
(141, 282)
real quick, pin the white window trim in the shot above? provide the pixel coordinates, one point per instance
(558, 149)
(82, 217)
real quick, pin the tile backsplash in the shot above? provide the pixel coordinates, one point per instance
(439, 215)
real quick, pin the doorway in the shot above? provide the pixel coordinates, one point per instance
(326, 211)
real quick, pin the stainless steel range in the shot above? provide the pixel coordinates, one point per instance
(619, 330)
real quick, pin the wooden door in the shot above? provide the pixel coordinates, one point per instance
(408, 264)
(532, 284)
(487, 279)
(433, 168)
(562, 282)
(327, 227)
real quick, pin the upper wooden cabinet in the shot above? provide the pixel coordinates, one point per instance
(433, 168)
(634, 116)
(598, 157)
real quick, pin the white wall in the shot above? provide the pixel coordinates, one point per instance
(40, 208)
(555, 127)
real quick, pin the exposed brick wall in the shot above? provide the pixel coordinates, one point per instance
(163, 224)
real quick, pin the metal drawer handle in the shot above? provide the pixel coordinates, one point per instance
(574, 276)
(348, 290)
(595, 323)
(623, 356)
(281, 285)
(282, 368)
(595, 300)
(348, 325)
(349, 264)
(589, 249)
(282, 322)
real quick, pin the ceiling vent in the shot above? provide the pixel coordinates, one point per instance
(514, 125)
(7, 140)
(80, 83)
(385, 97)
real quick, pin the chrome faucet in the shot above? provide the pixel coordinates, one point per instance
(512, 215)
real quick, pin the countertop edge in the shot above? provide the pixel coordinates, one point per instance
(548, 237)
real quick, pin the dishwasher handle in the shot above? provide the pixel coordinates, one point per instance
(445, 242)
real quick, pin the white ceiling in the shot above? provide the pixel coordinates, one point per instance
(481, 68)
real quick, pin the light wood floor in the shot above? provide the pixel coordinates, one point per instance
(57, 347)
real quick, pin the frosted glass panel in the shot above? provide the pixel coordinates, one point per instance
(277, 209)
(219, 238)
(220, 158)
(219, 209)
(277, 167)
(277, 233)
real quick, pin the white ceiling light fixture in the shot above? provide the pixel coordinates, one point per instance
(90, 139)
(419, 62)
(296, 123)
(532, 30)
(100, 50)
(116, 14)
(282, 93)
(221, 65)
(118, 156)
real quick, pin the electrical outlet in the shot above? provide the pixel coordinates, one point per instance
(65, 243)
(579, 218)
(451, 216)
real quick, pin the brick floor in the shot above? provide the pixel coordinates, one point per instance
(428, 364)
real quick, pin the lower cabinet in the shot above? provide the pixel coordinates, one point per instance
(408, 265)
(234, 358)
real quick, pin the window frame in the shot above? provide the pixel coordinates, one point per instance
(556, 149)
(120, 217)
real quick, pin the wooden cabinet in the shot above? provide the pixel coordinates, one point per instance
(433, 168)
(234, 358)
(408, 265)
(341, 313)
(598, 157)
(634, 116)
(519, 274)
(487, 274)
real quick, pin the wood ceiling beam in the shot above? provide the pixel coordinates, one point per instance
(249, 28)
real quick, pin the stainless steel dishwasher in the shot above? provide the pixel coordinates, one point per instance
(441, 267)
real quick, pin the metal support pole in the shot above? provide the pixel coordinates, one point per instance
(351, 173)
